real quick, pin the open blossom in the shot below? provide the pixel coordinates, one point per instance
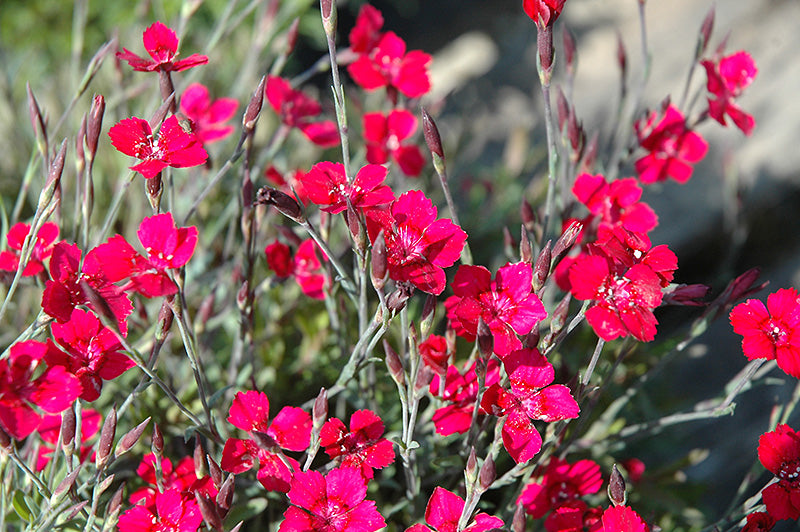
(460, 391)
(290, 430)
(531, 396)
(89, 351)
(779, 452)
(208, 118)
(506, 304)
(305, 266)
(673, 147)
(362, 447)
(418, 246)
(545, 10)
(727, 79)
(622, 519)
(561, 483)
(50, 427)
(168, 247)
(385, 135)
(53, 391)
(772, 331)
(574, 516)
(65, 291)
(42, 248)
(162, 45)
(444, 510)
(366, 34)
(624, 298)
(615, 203)
(327, 185)
(388, 65)
(174, 147)
(174, 512)
(332, 503)
(296, 110)
(181, 477)
(759, 522)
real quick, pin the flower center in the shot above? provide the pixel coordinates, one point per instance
(790, 472)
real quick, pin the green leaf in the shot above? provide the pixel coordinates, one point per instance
(21, 506)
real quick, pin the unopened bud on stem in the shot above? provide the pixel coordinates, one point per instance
(616, 487)
(253, 110)
(485, 339)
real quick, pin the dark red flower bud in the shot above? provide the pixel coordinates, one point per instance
(616, 487)
(319, 412)
(65, 485)
(253, 110)
(394, 364)
(130, 438)
(379, 271)
(518, 523)
(485, 338)
(291, 36)
(209, 511)
(525, 250)
(214, 471)
(705, 32)
(397, 299)
(95, 123)
(566, 241)
(562, 108)
(528, 215)
(544, 43)
(285, 204)
(157, 445)
(424, 377)
(569, 49)
(114, 505)
(37, 120)
(428, 314)
(225, 493)
(559, 317)
(106, 439)
(165, 319)
(328, 9)
(68, 423)
(431, 134)
(488, 473)
(199, 456)
(590, 153)
(541, 270)
(471, 471)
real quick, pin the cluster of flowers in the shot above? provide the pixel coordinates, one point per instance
(83, 351)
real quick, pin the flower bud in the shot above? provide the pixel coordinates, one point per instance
(356, 230)
(484, 338)
(95, 124)
(204, 313)
(397, 299)
(165, 319)
(214, 471)
(424, 377)
(37, 120)
(705, 32)
(616, 487)
(562, 108)
(64, 486)
(471, 471)
(518, 523)
(319, 412)
(528, 215)
(199, 456)
(590, 154)
(99, 305)
(53, 183)
(575, 135)
(157, 444)
(225, 493)
(106, 439)
(154, 191)
(68, 423)
(253, 110)
(566, 241)
(291, 36)
(328, 9)
(242, 296)
(487, 474)
(394, 364)
(428, 314)
(285, 204)
(434, 142)
(525, 251)
(80, 154)
(130, 438)
(541, 270)
(114, 506)
(569, 50)
(544, 44)
(209, 511)
(559, 317)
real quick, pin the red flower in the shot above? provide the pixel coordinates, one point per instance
(366, 34)
(622, 519)
(561, 483)
(575, 516)
(444, 510)
(173, 512)
(759, 522)
(434, 353)
(673, 147)
(615, 203)
(418, 245)
(50, 427)
(208, 118)
(362, 447)
(624, 298)
(295, 109)
(771, 332)
(333, 503)
(545, 10)
(89, 351)
(627, 249)
(779, 452)
(42, 248)
(726, 81)
(384, 135)
(182, 477)
(327, 185)
(64, 292)
(168, 247)
(388, 65)
(305, 267)
(290, 430)
(531, 396)
(506, 304)
(174, 147)
(162, 45)
(53, 391)
(461, 391)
